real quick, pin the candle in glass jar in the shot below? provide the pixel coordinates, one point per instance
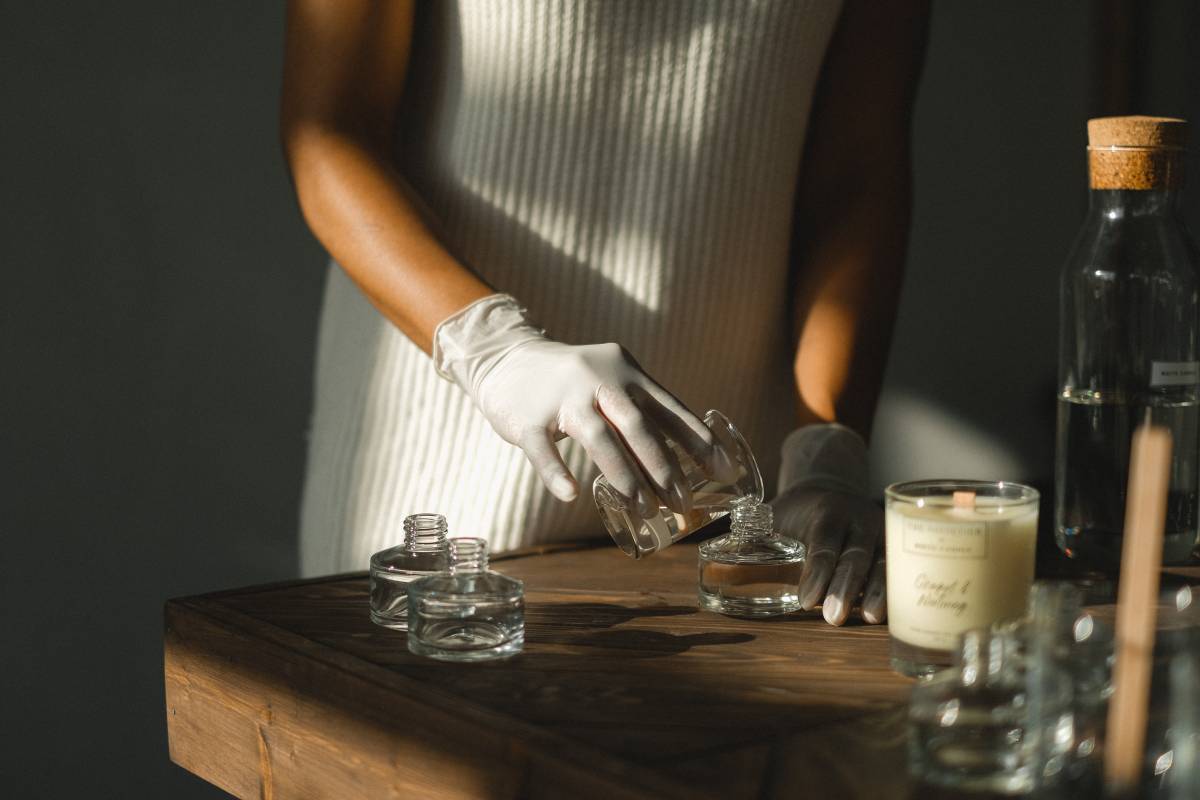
(960, 555)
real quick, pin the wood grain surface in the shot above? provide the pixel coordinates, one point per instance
(625, 689)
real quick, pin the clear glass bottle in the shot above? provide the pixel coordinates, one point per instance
(1060, 631)
(989, 724)
(712, 496)
(424, 551)
(752, 571)
(1128, 340)
(469, 612)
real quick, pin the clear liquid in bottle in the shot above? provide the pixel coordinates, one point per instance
(1094, 433)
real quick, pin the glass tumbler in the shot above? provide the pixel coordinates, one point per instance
(959, 556)
(711, 498)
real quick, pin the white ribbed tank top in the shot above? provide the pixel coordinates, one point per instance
(626, 170)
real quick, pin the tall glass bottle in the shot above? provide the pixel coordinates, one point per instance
(1127, 340)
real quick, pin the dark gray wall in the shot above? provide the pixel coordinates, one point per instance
(159, 302)
(1000, 189)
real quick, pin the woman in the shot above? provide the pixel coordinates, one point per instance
(611, 172)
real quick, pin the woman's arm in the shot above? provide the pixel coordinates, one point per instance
(852, 210)
(851, 223)
(344, 68)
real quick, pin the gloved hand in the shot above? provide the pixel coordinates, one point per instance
(534, 391)
(823, 502)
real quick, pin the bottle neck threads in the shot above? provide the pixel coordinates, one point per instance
(422, 531)
(468, 554)
(749, 518)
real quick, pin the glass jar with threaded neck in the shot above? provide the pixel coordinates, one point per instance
(469, 612)
(752, 571)
(425, 551)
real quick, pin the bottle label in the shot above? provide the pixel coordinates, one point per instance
(1174, 373)
(948, 572)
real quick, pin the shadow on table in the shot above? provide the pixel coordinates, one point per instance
(560, 623)
(599, 615)
(652, 644)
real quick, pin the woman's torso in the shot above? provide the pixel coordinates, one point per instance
(625, 169)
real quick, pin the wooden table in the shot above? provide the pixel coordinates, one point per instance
(625, 690)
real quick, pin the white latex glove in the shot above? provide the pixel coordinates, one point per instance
(823, 502)
(534, 391)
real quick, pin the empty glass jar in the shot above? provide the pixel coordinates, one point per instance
(469, 612)
(424, 551)
(711, 496)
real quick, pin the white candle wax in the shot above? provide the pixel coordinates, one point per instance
(955, 567)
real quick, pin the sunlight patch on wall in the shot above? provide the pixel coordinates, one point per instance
(914, 439)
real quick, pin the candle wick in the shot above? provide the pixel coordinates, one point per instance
(964, 500)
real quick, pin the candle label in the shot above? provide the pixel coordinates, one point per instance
(948, 575)
(926, 537)
(1174, 373)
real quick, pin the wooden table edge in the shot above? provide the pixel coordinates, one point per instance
(568, 753)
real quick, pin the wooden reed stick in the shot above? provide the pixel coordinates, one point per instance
(1137, 599)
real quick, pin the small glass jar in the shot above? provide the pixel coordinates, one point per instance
(424, 551)
(990, 724)
(711, 497)
(469, 612)
(752, 571)
(959, 556)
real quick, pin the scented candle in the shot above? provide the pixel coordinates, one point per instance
(960, 555)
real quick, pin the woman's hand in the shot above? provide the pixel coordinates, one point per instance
(823, 502)
(844, 536)
(535, 391)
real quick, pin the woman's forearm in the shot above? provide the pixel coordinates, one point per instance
(853, 204)
(852, 268)
(361, 211)
(345, 65)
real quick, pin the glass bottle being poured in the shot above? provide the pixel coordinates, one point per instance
(712, 495)
(1127, 340)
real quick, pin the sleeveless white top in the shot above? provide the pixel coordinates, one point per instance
(626, 170)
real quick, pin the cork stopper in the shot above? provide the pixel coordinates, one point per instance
(1137, 131)
(1136, 153)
